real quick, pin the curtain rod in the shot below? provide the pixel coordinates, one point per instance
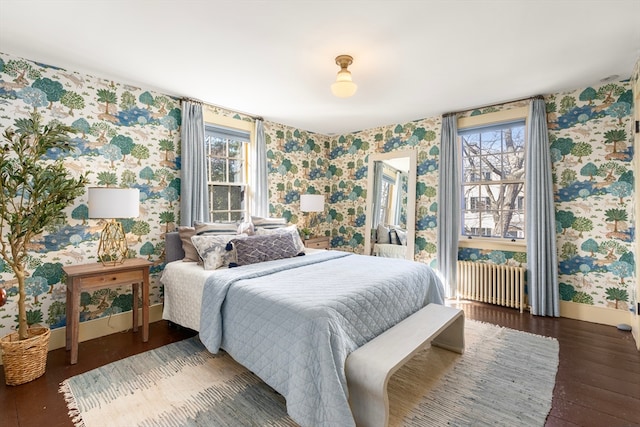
(529, 98)
(184, 98)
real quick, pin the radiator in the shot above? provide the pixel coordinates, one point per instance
(495, 284)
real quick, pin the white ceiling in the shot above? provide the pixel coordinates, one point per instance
(275, 59)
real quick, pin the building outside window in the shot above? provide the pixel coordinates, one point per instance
(227, 154)
(493, 165)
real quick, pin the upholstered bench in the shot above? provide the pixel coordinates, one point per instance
(369, 368)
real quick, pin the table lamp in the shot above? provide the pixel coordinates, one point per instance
(312, 203)
(110, 204)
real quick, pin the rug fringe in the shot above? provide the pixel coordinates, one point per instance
(72, 406)
(517, 330)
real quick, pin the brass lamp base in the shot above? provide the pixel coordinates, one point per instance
(112, 248)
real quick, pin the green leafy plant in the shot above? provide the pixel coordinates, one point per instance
(305, 232)
(33, 193)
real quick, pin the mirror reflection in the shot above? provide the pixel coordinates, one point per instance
(391, 205)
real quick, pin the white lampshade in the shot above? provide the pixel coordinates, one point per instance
(311, 203)
(114, 202)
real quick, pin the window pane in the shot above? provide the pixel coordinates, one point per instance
(514, 152)
(491, 142)
(236, 198)
(219, 217)
(236, 173)
(471, 143)
(509, 196)
(217, 169)
(236, 216)
(470, 195)
(235, 148)
(218, 147)
(513, 224)
(471, 224)
(486, 195)
(491, 166)
(491, 223)
(513, 167)
(219, 196)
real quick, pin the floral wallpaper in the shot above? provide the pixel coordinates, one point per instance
(126, 137)
(129, 137)
(296, 164)
(591, 140)
(337, 167)
(590, 132)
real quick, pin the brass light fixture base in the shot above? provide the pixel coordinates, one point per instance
(344, 61)
(112, 248)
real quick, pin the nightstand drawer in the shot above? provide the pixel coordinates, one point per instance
(112, 279)
(317, 243)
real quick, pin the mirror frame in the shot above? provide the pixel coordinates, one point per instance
(411, 199)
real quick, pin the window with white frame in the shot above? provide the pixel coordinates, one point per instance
(227, 153)
(493, 164)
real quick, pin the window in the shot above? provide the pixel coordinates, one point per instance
(387, 191)
(227, 172)
(493, 180)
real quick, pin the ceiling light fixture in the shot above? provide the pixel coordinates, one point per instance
(344, 87)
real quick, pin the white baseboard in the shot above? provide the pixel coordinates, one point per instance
(594, 314)
(103, 326)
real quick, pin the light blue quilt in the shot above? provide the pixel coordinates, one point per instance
(294, 321)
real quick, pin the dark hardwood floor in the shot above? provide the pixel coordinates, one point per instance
(598, 380)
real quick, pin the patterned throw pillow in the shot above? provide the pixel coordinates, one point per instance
(190, 252)
(402, 236)
(292, 229)
(393, 237)
(212, 228)
(213, 250)
(261, 248)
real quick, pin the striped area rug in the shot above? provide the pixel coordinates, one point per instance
(505, 377)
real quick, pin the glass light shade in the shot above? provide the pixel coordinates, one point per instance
(311, 203)
(114, 202)
(344, 87)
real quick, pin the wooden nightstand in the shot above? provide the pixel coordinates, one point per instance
(89, 277)
(317, 243)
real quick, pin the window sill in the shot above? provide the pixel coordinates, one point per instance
(479, 243)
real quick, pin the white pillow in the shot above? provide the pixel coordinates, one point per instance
(293, 229)
(382, 234)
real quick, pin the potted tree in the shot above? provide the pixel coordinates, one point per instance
(33, 194)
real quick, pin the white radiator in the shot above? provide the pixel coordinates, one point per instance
(495, 284)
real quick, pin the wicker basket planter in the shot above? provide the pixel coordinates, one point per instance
(25, 360)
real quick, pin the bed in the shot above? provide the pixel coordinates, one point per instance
(294, 321)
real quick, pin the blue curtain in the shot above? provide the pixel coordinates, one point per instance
(448, 204)
(194, 193)
(258, 180)
(542, 262)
